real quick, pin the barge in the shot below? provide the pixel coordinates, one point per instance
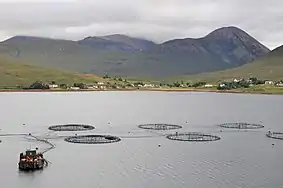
(31, 160)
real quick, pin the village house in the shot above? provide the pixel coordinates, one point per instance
(148, 85)
(53, 86)
(100, 83)
(208, 85)
(74, 88)
(222, 85)
(268, 82)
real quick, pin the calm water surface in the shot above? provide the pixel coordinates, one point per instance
(245, 159)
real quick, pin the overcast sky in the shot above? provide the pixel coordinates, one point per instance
(157, 20)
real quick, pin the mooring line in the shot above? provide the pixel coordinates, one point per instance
(52, 146)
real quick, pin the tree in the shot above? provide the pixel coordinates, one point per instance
(106, 76)
(64, 86)
(80, 85)
(198, 84)
(176, 84)
(38, 85)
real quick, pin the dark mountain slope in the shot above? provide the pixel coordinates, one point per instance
(232, 45)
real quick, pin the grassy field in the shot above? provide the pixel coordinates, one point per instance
(13, 74)
(268, 68)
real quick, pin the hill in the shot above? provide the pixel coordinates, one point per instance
(118, 43)
(269, 67)
(14, 74)
(223, 48)
(230, 44)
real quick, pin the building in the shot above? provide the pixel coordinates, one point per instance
(74, 88)
(268, 82)
(52, 86)
(148, 85)
(222, 85)
(208, 85)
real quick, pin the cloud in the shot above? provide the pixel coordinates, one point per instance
(158, 20)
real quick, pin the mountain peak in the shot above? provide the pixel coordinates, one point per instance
(228, 32)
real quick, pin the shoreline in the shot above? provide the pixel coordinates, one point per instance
(149, 89)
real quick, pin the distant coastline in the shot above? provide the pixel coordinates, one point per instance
(143, 89)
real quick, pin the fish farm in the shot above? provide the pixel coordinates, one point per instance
(92, 139)
(275, 135)
(160, 126)
(71, 127)
(193, 137)
(241, 125)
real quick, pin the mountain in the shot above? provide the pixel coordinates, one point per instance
(232, 45)
(118, 43)
(14, 73)
(268, 67)
(223, 48)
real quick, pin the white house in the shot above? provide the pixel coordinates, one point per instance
(74, 88)
(269, 82)
(100, 83)
(148, 85)
(208, 85)
(279, 84)
(53, 86)
(222, 85)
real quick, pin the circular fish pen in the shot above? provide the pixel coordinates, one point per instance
(160, 126)
(241, 125)
(92, 139)
(71, 127)
(193, 137)
(275, 135)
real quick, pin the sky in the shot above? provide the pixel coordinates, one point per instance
(156, 20)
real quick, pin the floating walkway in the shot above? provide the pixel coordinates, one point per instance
(160, 126)
(193, 137)
(71, 127)
(241, 125)
(92, 139)
(275, 135)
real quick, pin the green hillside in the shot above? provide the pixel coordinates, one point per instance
(13, 74)
(269, 67)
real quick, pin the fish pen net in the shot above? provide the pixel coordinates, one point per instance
(92, 139)
(241, 125)
(275, 135)
(193, 137)
(159, 126)
(71, 127)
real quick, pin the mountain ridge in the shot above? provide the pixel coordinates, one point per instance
(118, 54)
